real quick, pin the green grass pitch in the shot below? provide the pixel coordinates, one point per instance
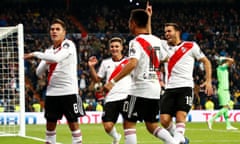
(198, 133)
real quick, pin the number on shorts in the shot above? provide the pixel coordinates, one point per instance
(188, 100)
(75, 107)
(125, 106)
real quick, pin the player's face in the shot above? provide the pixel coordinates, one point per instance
(116, 48)
(57, 33)
(170, 35)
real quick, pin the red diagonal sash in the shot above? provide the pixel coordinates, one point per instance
(51, 69)
(150, 52)
(52, 66)
(118, 69)
(178, 55)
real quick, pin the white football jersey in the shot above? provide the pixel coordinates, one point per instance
(121, 89)
(179, 69)
(147, 49)
(61, 64)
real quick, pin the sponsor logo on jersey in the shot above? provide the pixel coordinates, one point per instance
(132, 51)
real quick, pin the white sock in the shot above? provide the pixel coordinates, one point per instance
(76, 137)
(130, 136)
(172, 128)
(164, 135)
(50, 137)
(179, 132)
(113, 133)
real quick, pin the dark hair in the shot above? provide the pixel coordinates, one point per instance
(116, 39)
(59, 21)
(140, 17)
(175, 25)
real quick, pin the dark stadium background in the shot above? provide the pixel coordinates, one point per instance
(214, 24)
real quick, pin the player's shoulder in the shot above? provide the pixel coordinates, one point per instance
(193, 43)
(50, 48)
(67, 43)
(147, 36)
(107, 60)
(125, 58)
(156, 37)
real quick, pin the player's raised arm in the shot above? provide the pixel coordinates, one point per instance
(92, 61)
(149, 12)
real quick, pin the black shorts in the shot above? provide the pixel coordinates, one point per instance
(111, 111)
(142, 109)
(69, 105)
(176, 99)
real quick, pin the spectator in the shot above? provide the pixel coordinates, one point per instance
(83, 82)
(209, 105)
(99, 106)
(212, 27)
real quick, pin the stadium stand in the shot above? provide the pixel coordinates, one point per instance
(214, 27)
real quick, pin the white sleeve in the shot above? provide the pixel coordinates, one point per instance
(42, 67)
(102, 71)
(67, 48)
(51, 57)
(197, 52)
(134, 50)
(163, 54)
(164, 44)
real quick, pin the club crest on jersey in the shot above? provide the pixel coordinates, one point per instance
(66, 45)
(183, 49)
(122, 65)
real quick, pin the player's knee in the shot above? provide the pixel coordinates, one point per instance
(151, 127)
(165, 122)
(108, 127)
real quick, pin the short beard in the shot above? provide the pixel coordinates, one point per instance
(171, 43)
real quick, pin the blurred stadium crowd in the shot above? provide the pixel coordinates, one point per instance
(214, 27)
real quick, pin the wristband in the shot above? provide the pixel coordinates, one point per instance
(113, 81)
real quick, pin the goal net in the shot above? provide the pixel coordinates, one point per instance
(12, 85)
